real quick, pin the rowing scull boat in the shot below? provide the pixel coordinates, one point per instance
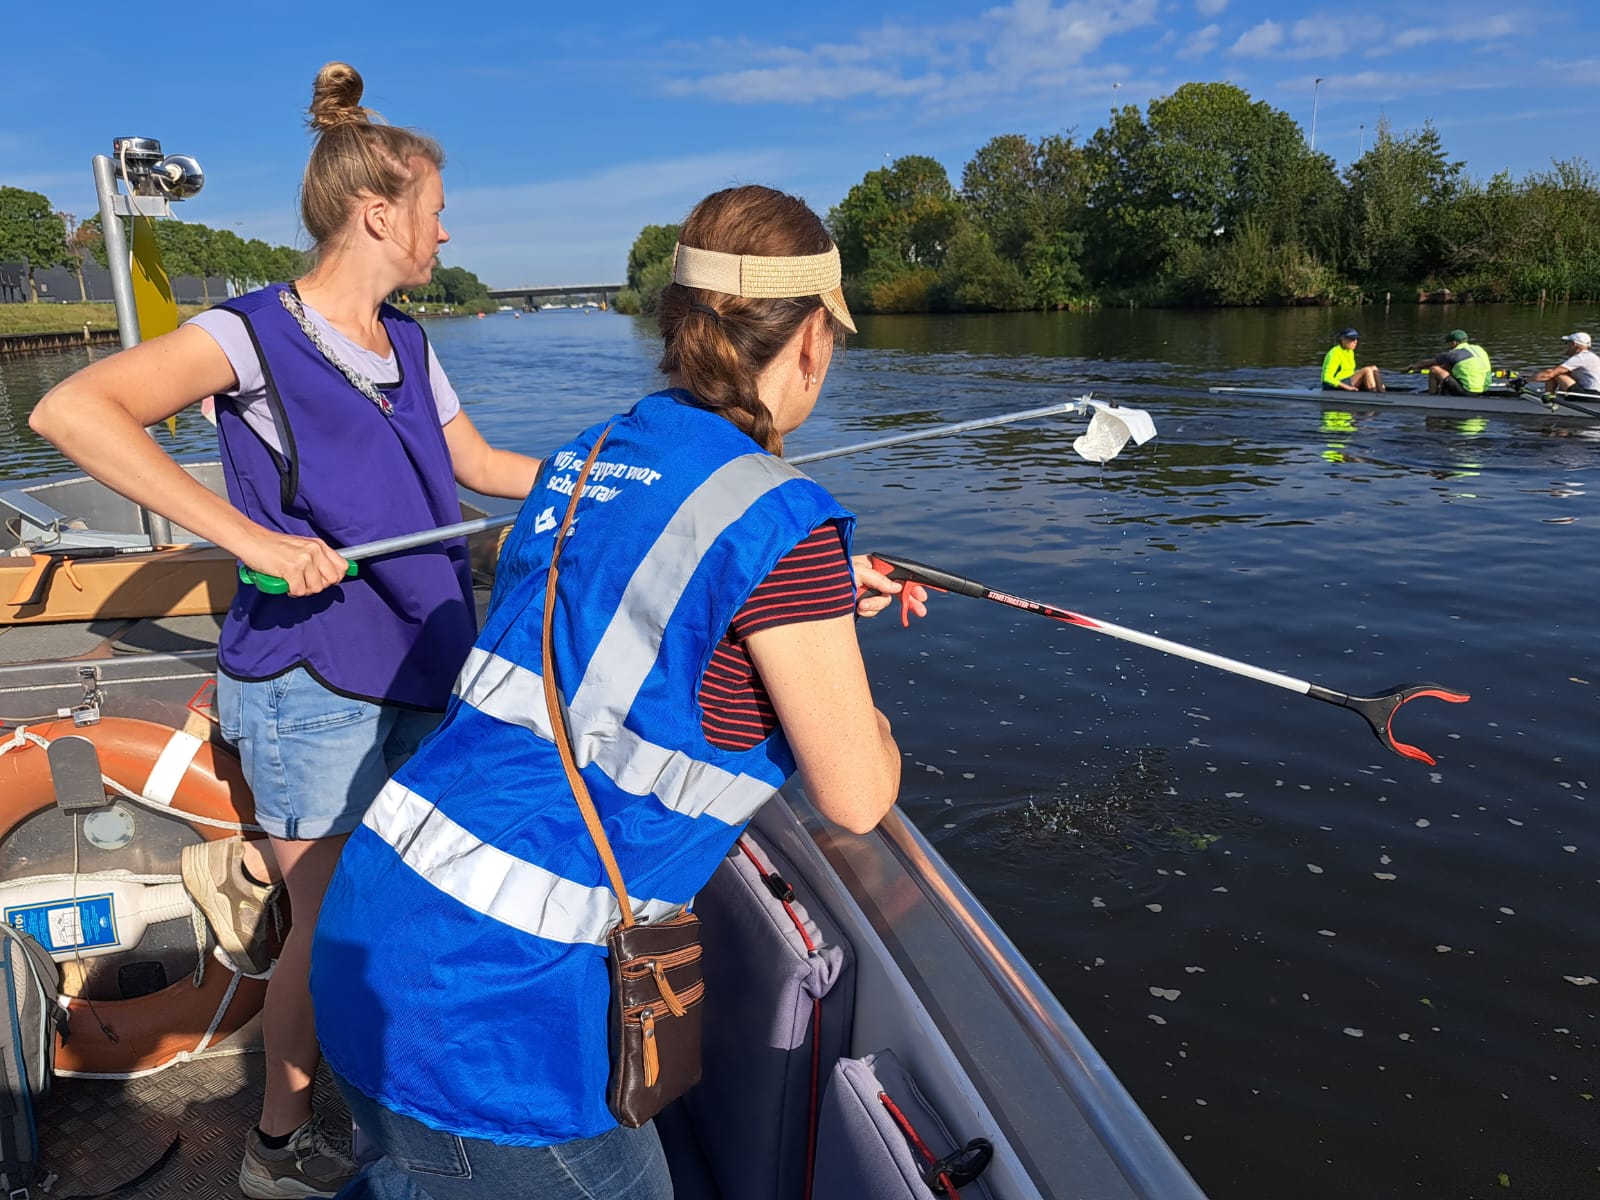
(1569, 405)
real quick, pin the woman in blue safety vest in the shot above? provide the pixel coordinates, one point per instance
(460, 967)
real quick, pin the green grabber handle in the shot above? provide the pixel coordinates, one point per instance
(271, 585)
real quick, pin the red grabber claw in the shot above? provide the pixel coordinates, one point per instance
(1379, 712)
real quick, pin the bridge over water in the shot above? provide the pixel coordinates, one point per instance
(528, 295)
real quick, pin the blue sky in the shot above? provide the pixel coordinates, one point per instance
(569, 126)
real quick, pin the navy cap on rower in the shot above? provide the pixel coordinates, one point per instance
(1349, 333)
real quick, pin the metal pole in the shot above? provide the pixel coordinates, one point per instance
(1062, 409)
(1315, 86)
(406, 541)
(118, 257)
(120, 263)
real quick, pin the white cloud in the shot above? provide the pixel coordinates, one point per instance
(568, 231)
(1027, 44)
(817, 80)
(1374, 85)
(1209, 8)
(1037, 36)
(1201, 42)
(1491, 29)
(1258, 40)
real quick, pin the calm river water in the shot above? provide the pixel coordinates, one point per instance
(1324, 971)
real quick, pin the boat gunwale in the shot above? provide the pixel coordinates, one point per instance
(868, 871)
(1149, 1164)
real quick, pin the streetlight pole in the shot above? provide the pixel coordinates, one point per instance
(1114, 88)
(1363, 149)
(1316, 84)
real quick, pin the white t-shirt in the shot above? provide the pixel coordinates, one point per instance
(229, 332)
(1584, 367)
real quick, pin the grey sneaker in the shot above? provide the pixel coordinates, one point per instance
(237, 909)
(310, 1165)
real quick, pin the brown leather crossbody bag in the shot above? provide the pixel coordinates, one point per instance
(656, 980)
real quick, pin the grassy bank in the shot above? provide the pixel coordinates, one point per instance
(66, 318)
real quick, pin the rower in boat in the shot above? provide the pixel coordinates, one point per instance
(1580, 372)
(1463, 369)
(1339, 370)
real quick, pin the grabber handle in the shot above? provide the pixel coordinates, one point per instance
(272, 585)
(905, 570)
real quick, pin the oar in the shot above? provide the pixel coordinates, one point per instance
(1378, 711)
(1559, 400)
(1133, 422)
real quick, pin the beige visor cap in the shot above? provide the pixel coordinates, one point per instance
(758, 276)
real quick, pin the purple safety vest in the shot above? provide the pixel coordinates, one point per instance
(400, 630)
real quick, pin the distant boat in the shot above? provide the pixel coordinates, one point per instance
(1496, 400)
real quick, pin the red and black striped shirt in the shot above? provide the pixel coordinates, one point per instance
(810, 583)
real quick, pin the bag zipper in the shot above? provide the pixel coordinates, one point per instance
(688, 997)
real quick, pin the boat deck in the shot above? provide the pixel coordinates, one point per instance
(181, 1130)
(934, 979)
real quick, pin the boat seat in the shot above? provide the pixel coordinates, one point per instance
(878, 1135)
(780, 984)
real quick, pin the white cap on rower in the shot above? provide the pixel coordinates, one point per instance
(1577, 339)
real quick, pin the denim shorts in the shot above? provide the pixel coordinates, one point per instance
(314, 759)
(421, 1162)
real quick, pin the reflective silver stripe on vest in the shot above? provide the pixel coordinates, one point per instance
(490, 881)
(628, 648)
(501, 689)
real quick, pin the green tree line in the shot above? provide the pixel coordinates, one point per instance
(1206, 197)
(32, 229)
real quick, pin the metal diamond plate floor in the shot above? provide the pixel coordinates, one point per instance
(97, 1135)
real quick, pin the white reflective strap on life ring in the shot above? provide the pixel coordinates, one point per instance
(171, 766)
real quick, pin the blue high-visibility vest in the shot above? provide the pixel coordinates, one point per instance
(459, 968)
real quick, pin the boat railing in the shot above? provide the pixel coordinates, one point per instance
(1147, 1163)
(78, 511)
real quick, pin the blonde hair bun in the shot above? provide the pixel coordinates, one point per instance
(336, 98)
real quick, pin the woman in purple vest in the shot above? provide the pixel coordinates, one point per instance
(337, 426)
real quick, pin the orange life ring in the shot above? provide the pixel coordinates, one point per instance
(193, 780)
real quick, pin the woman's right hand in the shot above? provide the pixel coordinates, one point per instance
(307, 565)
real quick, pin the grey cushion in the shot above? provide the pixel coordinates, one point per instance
(752, 1107)
(862, 1153)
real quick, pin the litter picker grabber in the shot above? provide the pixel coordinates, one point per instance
(1378, 711)
(1109, 430)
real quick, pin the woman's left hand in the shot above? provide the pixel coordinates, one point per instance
(875, 591)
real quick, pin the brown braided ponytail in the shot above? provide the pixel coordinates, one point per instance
(717, 344)
(355, 153)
